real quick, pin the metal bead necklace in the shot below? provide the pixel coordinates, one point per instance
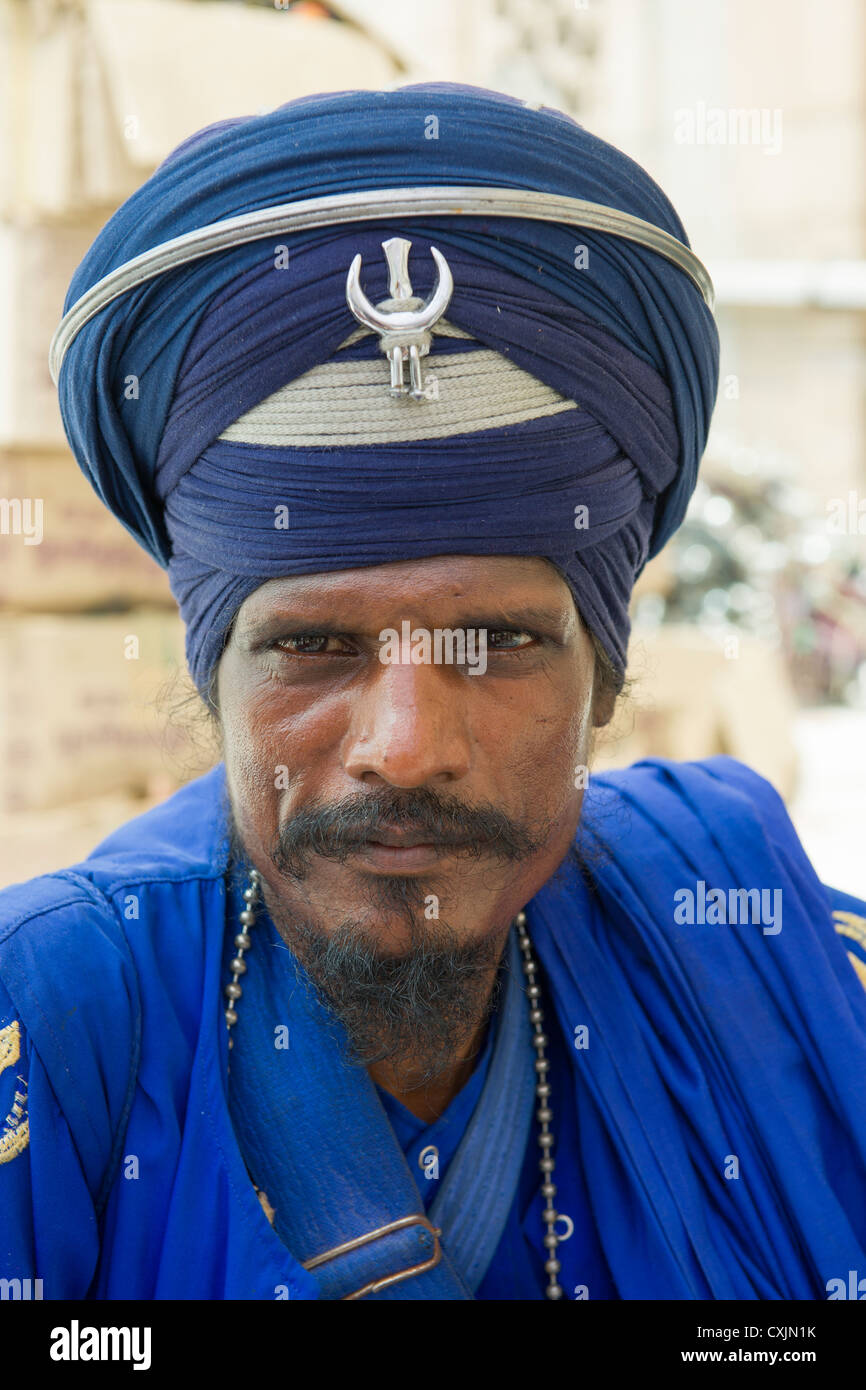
(544, 1113)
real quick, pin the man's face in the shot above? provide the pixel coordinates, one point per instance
(330, 751)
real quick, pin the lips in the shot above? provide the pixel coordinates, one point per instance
(400, 839)
(401, 850)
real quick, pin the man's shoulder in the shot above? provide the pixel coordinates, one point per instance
(719, 790)
(81, 947)
(71, 931)
(69, 993)
(58, 918)
(721, 777)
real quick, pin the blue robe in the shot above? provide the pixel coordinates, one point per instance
(121, 1175)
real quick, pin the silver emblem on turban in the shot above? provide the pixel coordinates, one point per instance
(403, 322)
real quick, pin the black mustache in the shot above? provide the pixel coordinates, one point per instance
(334, 832)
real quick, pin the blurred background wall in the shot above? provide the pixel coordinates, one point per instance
(749, 629)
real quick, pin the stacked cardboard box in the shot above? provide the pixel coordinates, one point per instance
(85, 706)
(62, 550)
(89, 632)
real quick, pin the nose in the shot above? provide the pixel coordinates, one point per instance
(409, 727)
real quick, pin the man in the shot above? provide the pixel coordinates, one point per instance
(396, 1003)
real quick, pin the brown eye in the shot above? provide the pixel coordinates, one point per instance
(508, 632)
(306, 644)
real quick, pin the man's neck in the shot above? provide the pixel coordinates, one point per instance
(430, 1100)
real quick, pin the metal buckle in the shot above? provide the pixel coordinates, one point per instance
(389, 1279)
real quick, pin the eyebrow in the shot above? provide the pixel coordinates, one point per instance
(520, 616)
(513, 616)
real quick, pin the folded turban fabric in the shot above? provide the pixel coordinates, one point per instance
(575, 369)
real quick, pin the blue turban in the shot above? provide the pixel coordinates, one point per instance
(152, 388)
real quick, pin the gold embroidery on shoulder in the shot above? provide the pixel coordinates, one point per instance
(848, 924)
(859, 965)
(16, 1129)
(266, 1206)
(10, 1044)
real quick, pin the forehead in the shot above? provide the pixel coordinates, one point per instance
(503, 581)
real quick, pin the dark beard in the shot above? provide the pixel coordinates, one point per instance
(414, 1010)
